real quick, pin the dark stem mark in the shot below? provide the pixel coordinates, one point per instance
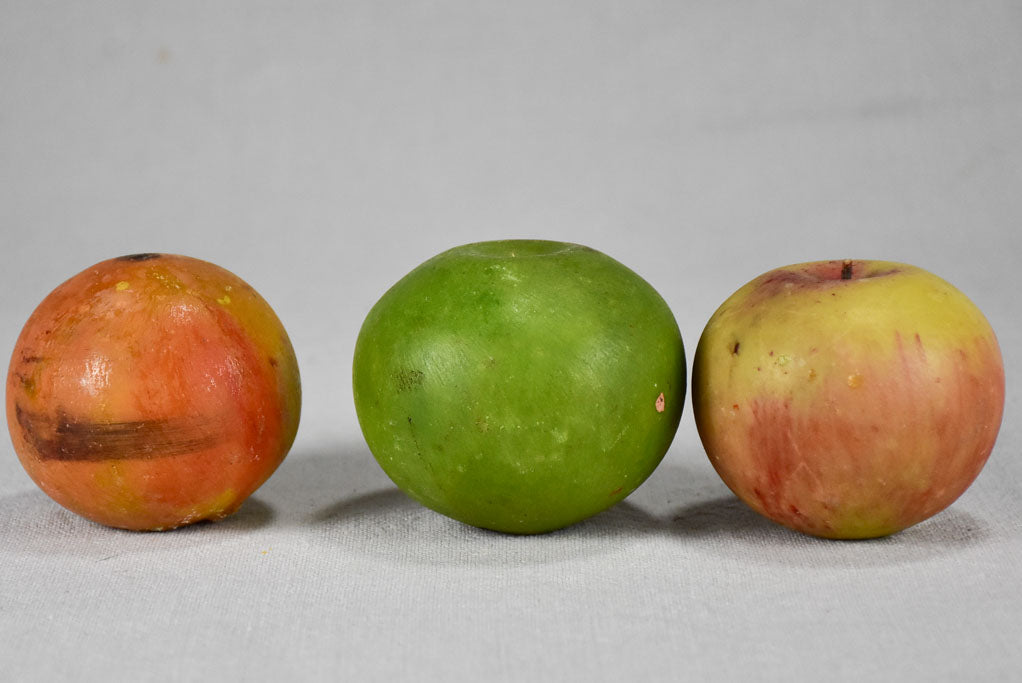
(734, 349)
(64, 438)
(846, 270)
(139, 257)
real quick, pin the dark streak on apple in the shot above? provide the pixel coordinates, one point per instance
(64, 438)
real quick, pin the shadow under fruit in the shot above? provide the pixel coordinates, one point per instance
(152, 391)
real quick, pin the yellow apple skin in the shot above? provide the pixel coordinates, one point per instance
(848, 399)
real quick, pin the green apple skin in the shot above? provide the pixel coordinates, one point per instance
(519, 385)
(848, 399)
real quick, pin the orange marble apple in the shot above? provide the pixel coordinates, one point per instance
(848, 399)
(152, 391)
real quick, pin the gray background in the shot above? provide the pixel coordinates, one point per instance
(320, 150)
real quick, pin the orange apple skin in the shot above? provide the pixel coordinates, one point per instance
(152, 391)
(848, 399)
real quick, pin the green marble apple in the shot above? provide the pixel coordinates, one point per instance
(519, 385)
(848, 399)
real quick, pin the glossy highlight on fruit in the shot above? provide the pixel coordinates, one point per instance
(152, 391)
(519, 385)
(848, 399)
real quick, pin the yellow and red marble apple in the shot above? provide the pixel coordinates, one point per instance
(152, 391)
(848, 399)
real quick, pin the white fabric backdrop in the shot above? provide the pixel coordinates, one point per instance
(321, 150)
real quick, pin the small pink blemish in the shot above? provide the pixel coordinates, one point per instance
(660, 402)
